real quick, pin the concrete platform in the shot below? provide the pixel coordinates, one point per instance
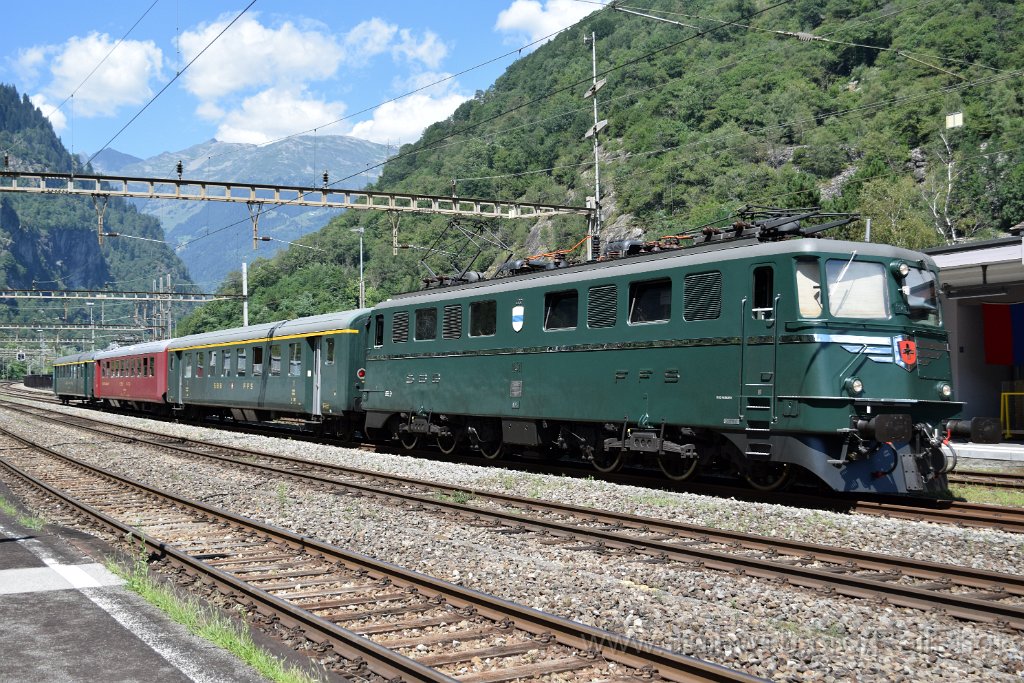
(1008, 453)
(64, 618)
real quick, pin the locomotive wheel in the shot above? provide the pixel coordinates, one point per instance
(608, 461)
(771, 476)
(677, 468)
(408, 441)
(491, 450)
(447, 443)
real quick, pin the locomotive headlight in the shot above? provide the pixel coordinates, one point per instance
(900, 269)
(945, 390)
(854, 386)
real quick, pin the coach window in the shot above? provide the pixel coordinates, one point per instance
(240, 362)
(294, 360)
(650, 301)
(145, 366)
(171, 362)
(426, 324)
(329, 355)
(199, 363)
(378, 331)
(808, 287)
(188, 365)
(561, 310)
(257, 361)
(483, 318)
(275, 359)
(227, 363)
(763, 294)
(213, 363)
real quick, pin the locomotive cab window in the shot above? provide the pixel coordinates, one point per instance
(650, 301)
(857, 289)
(378, 331)
(561, 310)
(426, 324)
(763, 294)
(483, 318)
(808, 288)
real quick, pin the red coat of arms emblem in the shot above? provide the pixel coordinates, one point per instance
(906, 352)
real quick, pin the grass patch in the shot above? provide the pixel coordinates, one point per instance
(207, 624)
(458, 497)
(27, 521)
(658, 501)
(987, 494)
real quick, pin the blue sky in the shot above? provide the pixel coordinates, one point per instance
(281, 69)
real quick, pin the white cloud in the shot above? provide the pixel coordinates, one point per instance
(275, 113)
(368, 39)
(430, 51)
(534, 20)
(404, 120)
(29, 60)
(251, 55)
(57, 118)
(122, 79)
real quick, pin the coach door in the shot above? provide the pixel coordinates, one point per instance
(315, 374)
(759, 345)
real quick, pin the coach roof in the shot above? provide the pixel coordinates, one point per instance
(144, 349)
(299, 327)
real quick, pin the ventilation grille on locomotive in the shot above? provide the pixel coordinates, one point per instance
(702, 296)
(451, 326)
(400, 327)
(602, 306)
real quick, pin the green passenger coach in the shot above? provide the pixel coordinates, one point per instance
(810, 355)
(305, 369)
(74, 377)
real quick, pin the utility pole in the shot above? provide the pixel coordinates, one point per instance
(245, 295)
(594, 228)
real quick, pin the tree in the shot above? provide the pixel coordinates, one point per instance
(894, 206)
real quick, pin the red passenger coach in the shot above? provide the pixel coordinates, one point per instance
(133, 376)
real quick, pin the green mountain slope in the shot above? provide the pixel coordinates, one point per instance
(813, 102)
(50, 242)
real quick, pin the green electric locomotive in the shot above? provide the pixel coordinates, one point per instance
(768, 359)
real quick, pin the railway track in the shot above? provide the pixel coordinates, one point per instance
(388, 623)
(959, 591)
(995, 479)
(959, 513)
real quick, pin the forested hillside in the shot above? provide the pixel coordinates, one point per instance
(50, 242)
(814, 102)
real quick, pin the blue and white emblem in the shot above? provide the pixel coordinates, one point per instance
(517, 317)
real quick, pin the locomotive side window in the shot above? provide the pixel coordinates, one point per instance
(275, 359)
(602, 306)
(808, 288)
(857, 289)
(561, 310)
(426, 324)
(330, 352)
(451, 325)
(702, 296)
(378, 331)
(400, 327)
(483, 318)
(650, 301)
(294, 360)
(763, 307)
(257, 361)
(240, 362)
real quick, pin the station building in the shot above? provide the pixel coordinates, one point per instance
(983, 308)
